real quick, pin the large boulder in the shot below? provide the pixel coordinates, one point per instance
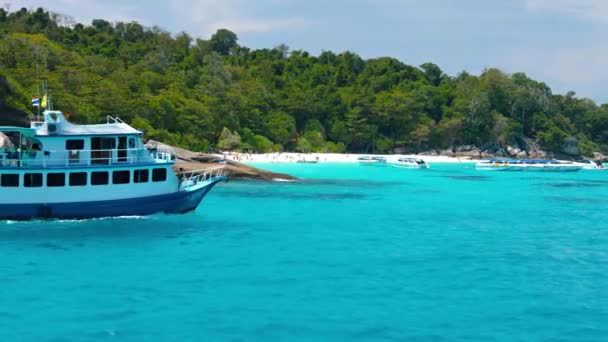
(429, 153)
(465, 148)
(447, 152)
(474, 153)
(500, 152)
(540, 154)
(570, 147)
(512, 151)
(597, 156)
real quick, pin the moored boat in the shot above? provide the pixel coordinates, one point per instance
(590, 164)
(370, 160)
(56, 169)
(542, 165)
(410, 163)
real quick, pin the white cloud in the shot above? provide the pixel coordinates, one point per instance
(596, 10)
(210, 15)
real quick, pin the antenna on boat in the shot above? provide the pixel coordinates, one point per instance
(38, 87)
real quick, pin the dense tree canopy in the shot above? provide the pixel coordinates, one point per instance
(203, 94)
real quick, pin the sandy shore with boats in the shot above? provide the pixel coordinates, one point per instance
(294, 157)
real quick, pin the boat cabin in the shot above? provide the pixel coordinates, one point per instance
(55, 142)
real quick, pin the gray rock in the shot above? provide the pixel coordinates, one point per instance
(513, 151)
(539, 154)
(474, 153)
(446, 152)
(522, 155)
(500, 153)
(570, 147)
(429, 153)
(599, 157)
(465, 148)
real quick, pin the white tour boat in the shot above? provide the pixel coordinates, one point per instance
(410, 163)
(56, 169)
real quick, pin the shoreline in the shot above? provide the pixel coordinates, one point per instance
(295, 157)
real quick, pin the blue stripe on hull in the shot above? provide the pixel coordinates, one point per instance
(178, 202)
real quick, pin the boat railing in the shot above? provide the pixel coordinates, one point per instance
(161, 154)
(96, 157)
(191, 178)
(113, 119)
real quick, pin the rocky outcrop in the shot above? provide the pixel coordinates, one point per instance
(570, 147)
(599, 157)
(527, 149)
(186, 160)
(447, 152)
(429, 153)
(467, 151)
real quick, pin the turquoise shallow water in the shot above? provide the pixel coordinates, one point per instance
(352, 253)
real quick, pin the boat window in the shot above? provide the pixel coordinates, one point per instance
(120, 177)
(31, 180)
(78, 178)
(74, 144)
(99, 178)
(101, 150)
(9, 180)
(131, 142)
(55, 179)
(159, 175)
(140, 176)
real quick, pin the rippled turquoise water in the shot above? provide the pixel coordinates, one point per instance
(351, 253)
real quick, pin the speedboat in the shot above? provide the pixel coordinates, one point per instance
(543, 165)
(411, 163)
(370, 160)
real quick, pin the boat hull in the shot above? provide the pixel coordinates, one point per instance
(174, 203)
(409, 166)
(531, 168)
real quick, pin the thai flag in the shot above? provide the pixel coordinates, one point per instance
(36, 101)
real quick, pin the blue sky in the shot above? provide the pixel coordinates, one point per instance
(560, 42)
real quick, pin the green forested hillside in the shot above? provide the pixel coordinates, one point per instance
(203, 94)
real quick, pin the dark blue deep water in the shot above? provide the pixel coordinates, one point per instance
(350, 253)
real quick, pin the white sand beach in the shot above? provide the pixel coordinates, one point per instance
(294, 157)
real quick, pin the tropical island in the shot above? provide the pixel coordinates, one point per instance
(215, 95)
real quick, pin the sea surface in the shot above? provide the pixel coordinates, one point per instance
(349, 253)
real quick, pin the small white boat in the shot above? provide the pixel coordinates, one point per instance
(370, 160)
(410, 163)
(542, 165)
